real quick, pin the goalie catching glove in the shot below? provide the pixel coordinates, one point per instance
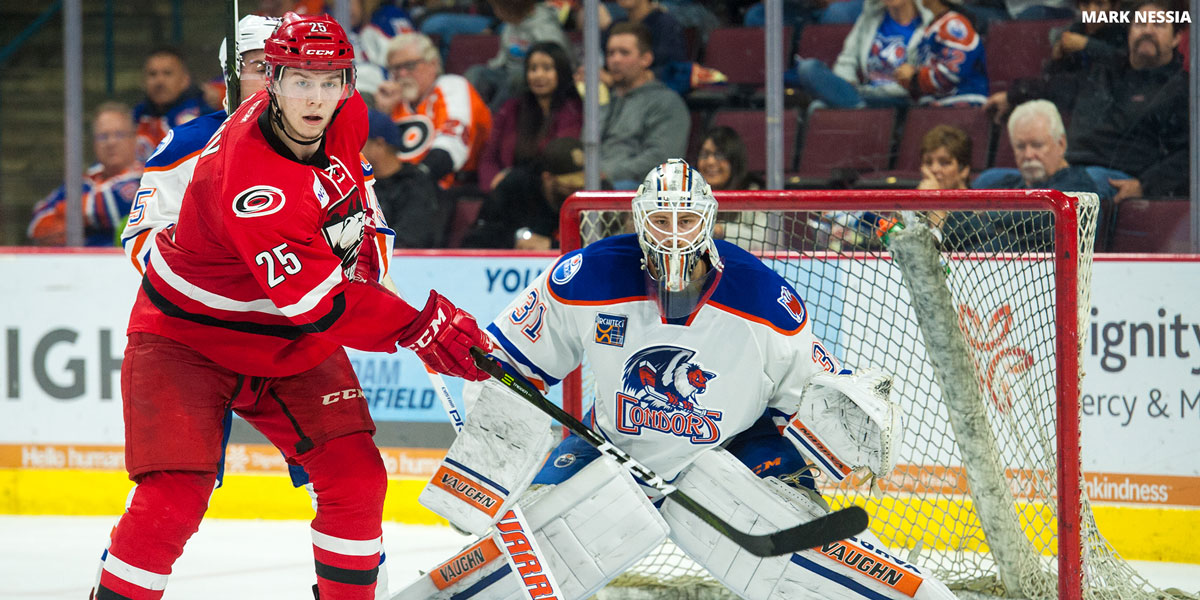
(847, 422)
(442, 336)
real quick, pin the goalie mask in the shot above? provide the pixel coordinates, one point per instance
(674, 212)
(310, 65)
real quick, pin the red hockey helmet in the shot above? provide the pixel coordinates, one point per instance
(317, 42)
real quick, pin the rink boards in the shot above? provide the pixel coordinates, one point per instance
(61, 429)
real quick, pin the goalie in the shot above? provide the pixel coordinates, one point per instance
(707, 372)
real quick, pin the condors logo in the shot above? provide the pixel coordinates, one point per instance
(258, 201)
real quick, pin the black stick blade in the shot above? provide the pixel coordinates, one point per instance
(830, 528)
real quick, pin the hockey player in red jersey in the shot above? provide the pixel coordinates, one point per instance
(248, 301)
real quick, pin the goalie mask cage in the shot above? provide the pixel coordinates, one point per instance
(980, 316)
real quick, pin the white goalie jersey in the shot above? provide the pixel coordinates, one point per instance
(665, 391)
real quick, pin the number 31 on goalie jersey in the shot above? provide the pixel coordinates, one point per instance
(534, 308)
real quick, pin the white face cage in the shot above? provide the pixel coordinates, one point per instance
(671, 245)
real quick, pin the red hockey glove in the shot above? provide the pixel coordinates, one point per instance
(442, 336)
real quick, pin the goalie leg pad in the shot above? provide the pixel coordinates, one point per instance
(503, 443)
(852, 569)
(589, 529)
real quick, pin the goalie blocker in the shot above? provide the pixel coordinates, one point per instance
(494, 458)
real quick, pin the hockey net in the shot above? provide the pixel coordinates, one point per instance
(980, 317)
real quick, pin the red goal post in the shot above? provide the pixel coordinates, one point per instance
(1069, 259)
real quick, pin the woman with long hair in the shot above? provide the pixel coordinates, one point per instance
(548, 107)
(722, 161)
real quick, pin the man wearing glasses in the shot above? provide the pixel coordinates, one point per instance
(108, 186)
(443, 122)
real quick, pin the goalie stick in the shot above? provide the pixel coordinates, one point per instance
(513, 521)
(830, 528)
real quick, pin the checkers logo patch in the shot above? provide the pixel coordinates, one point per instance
(610, 329)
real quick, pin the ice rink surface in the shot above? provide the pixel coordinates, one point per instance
(44, 558)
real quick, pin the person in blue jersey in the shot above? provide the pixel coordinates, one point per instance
(950, 67)
(108, 188)
(707, 371)
(884, 37)
(171, 99)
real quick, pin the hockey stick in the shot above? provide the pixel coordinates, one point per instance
(513, 524)
(823, 530)
(232, 59)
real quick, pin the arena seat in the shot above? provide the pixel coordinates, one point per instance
(1152, 225)
(742, 55)
(751, 125)
(822, 42)
(1017, 49)
(906, 171)
(466, 212)
(468, 49)
(845, 141)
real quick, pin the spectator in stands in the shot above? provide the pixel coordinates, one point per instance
(883, 37)
(644, 122)
(671, 63)
(945, 163)
(548, 107)
(722, 161)
(419, 220)
(949, 67)
(525, 22)
(1039, 147)
(109, 185)
(1129, 124)
(945, 159)
(1081, 44)
(522, 211)
(171, 99)
(443, 122)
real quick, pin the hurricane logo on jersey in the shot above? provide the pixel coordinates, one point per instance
(660, 386)
(258, 201)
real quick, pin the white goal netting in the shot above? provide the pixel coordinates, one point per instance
(975, 303)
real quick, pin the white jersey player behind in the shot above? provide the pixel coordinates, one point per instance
(702, 356)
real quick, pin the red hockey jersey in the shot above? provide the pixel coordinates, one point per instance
(261, 273)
